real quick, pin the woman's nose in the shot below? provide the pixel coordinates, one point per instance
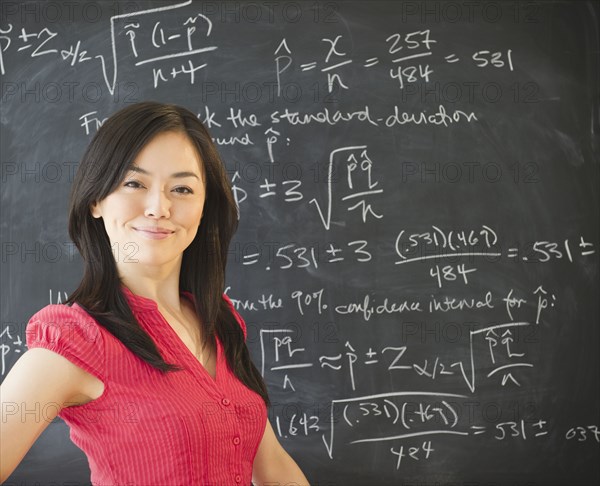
(157, 204)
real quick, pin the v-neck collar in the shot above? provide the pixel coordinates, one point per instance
(145, 304)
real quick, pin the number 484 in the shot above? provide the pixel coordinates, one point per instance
(449, 273)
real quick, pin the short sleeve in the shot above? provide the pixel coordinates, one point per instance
(238, 317)
(70, 332)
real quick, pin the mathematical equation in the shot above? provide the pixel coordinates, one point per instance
(410, 48)
(294, 255)
(172, 43)
(165, 37)
(404, 417)
(503, 348)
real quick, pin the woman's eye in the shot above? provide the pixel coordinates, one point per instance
(184, 190)
(133, 184)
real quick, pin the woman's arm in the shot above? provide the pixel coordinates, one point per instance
(37, 387)
(273, 465)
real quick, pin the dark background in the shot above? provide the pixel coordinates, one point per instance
(523, 172)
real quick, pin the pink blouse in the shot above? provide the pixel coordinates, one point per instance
(149, 428)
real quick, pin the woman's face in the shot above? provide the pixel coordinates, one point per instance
(154, 214)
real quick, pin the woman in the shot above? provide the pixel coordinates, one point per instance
(148, 363)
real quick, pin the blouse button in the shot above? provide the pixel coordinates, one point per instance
(236, 440)
(238, 478)
(225, 401)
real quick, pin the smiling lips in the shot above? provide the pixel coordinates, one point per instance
(154, 233)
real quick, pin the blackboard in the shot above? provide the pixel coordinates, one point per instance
(418, 182)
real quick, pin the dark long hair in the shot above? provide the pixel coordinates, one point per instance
(103, 167)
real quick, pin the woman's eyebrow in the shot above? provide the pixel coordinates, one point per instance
(135, 168)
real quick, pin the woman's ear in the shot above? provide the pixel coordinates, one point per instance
(95, 210)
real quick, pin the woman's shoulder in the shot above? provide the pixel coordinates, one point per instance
(61, 314)
(71, 332)
(60, 321)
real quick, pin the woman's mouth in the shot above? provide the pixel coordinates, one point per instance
(154, 233)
